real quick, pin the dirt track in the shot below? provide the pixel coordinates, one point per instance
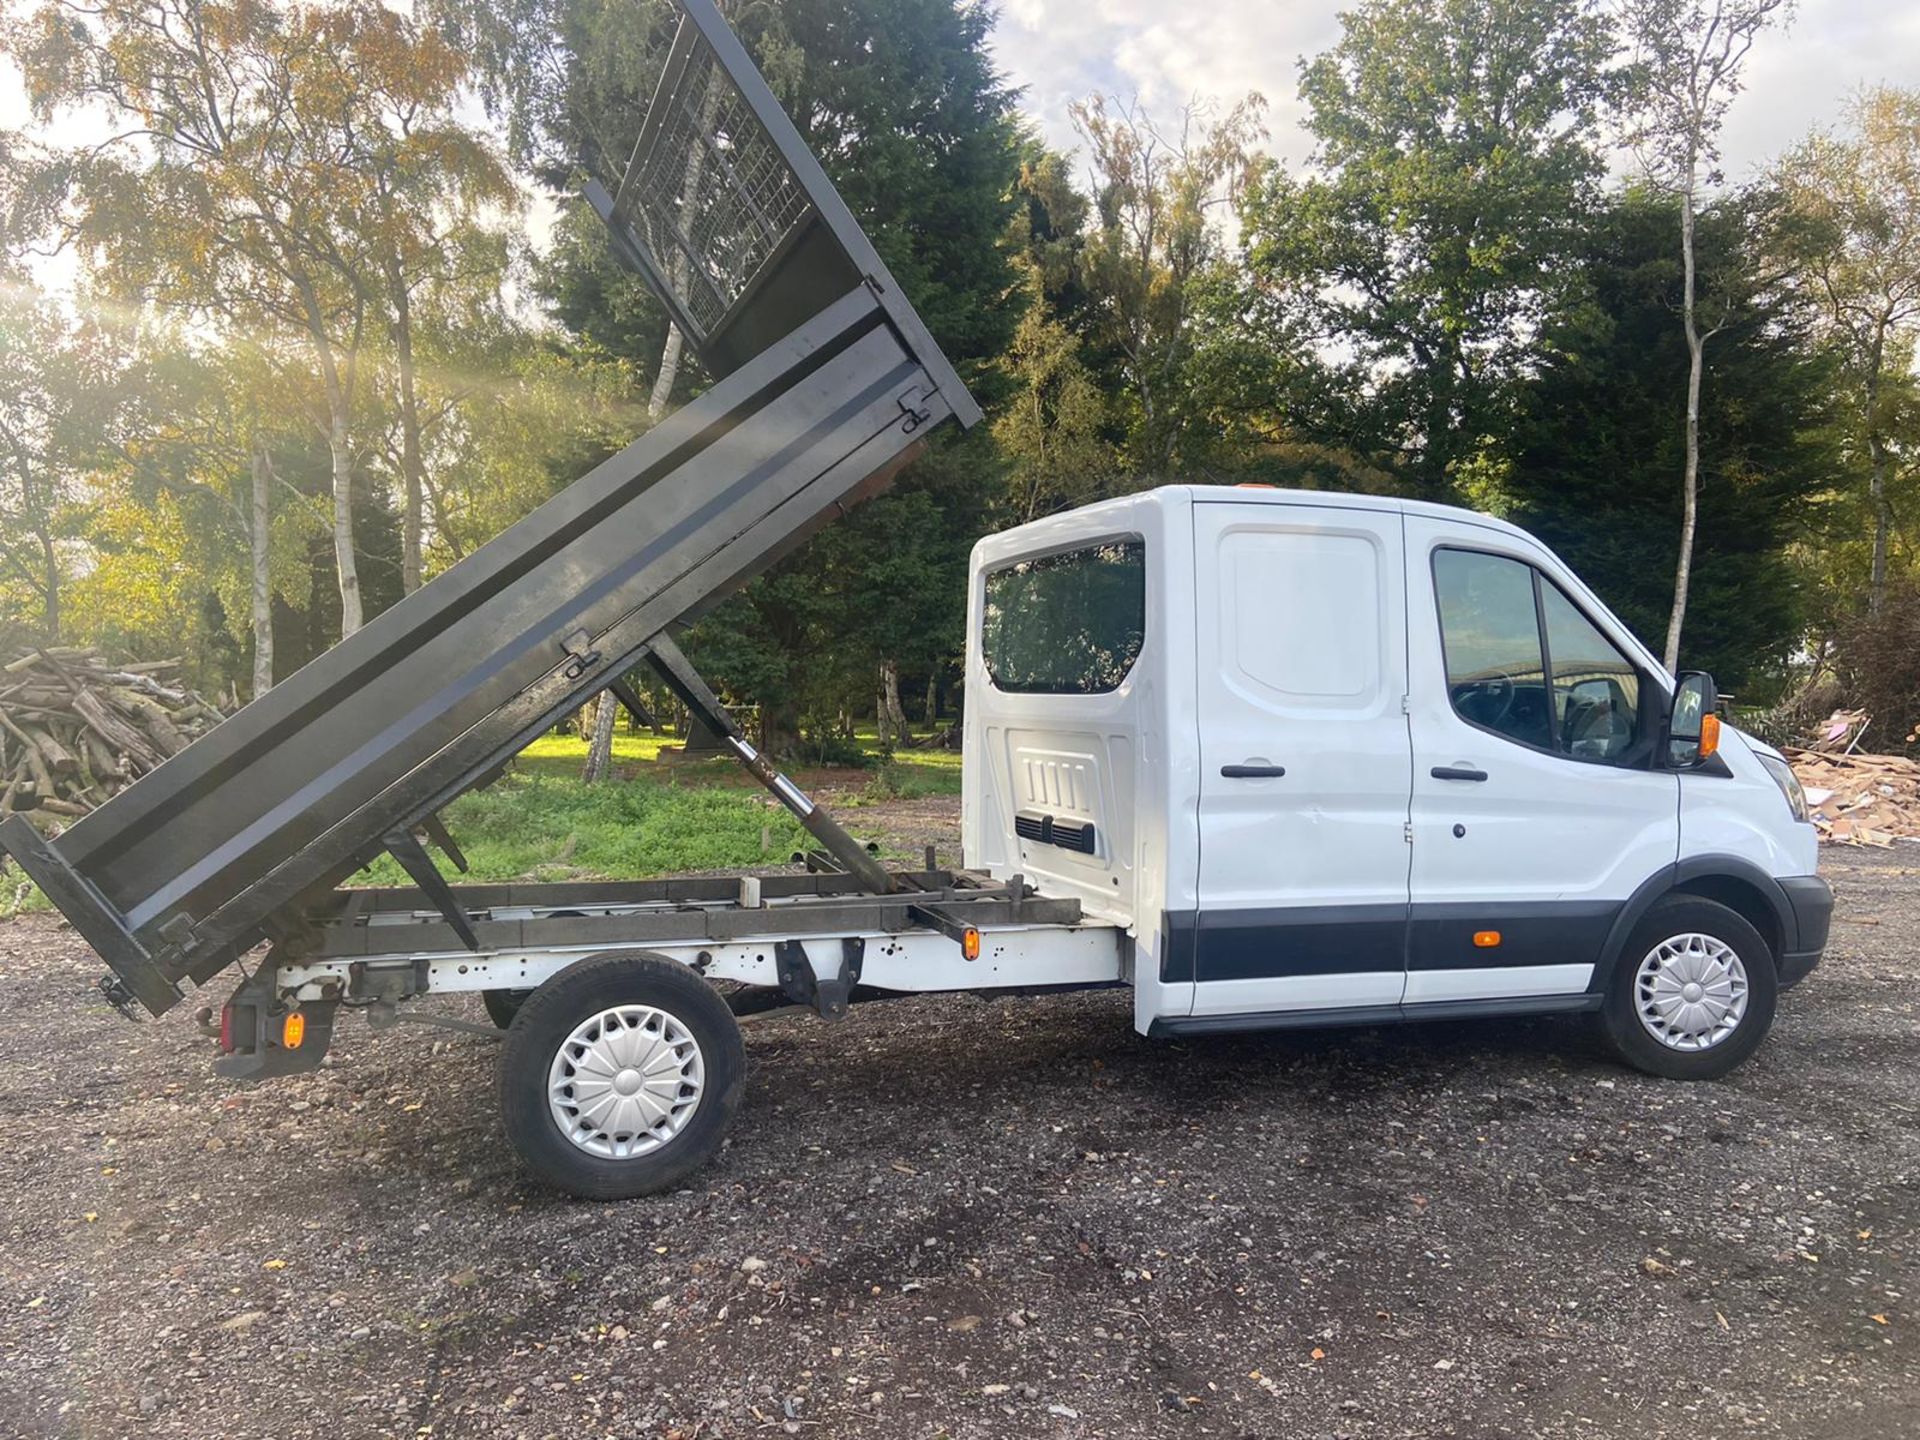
(966, 1218)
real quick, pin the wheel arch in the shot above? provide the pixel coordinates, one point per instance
(1739, 884)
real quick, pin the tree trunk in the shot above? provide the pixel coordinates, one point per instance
(260, 535)
(340, 446)
(1877, 480)
(50, 558)
(933, 700)
(779, 727)
(599, 764)
(669, 372)
(1690, 511)
(339, 388)
(411, 463)
(893, 723)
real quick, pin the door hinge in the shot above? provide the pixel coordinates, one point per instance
(1406, 831)
(1406, 704)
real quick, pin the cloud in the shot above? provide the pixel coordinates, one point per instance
(1061, 50)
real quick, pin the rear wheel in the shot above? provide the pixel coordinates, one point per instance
(620, 1075)
(1693, 992)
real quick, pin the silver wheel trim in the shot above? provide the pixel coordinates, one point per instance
(625, 1082)
(1691, 992)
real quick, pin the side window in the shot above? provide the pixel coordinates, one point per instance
(1490, 630)
(1596, 690)
(1523, 662)
(1066, 624)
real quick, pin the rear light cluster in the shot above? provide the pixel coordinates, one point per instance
(238, 1027)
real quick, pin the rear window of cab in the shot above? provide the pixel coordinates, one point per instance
(1069, 623)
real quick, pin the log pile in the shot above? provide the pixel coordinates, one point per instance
(1860, 799)
(76, 729)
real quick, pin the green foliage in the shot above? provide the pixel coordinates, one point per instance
(901, 102)
(1850, 237)
(1052, 426)
(62, 386)
(1457, 156)
(1152, 239)
(1596, 451)
(1877, 662)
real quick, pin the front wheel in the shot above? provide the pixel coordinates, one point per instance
(1693, 992)
(620, 1075)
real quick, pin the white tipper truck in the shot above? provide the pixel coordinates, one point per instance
(1270, 758)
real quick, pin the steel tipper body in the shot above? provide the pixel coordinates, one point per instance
(826, 384)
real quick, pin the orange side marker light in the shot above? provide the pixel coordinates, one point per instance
(293, 1030)
(1486, 939)
(1709, 735)
(970, 944)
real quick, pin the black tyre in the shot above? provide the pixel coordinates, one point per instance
(503, 1005)
(620, 1076)
(1693, 991)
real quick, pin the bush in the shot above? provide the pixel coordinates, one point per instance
(824, 747)
(1877, 659)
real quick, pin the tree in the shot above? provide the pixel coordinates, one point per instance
(1589, 465)
(1051, 429)
(273, 167)
(1156, 197)
(430, 178)
(900, 101)
(1853, 210)
(50, 396)
(1688, 55)
(1455, 160)
(1055, 423)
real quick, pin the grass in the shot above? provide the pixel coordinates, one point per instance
(656, 817)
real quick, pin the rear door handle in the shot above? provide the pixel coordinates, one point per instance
(1457, 772)
(1252, 772)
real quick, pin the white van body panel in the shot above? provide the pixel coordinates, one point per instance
(1121, 761)
(1543, 834)
(1739, 814)
(1301, 631)
(1301, 667)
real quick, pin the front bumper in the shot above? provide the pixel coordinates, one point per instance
(1810, 899)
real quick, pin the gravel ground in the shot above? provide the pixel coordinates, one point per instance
(954, 1217)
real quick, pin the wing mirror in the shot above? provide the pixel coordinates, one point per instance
(1693, 725)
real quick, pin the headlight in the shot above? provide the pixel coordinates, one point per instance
(1789, 784)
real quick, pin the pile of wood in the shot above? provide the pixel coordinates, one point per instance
(1860, 799)
(76, 729)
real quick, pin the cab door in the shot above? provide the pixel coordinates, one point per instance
(1305, 758)
(1537, 806)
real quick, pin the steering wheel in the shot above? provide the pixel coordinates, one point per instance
(1500, 691)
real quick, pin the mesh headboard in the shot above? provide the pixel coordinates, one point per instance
(708, 191)
(731, 220)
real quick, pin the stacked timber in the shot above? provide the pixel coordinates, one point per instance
(76, 729)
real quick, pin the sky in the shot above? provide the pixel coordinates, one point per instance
(1061, 50)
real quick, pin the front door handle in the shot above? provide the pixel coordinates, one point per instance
(1457, 772)
(1252, 772)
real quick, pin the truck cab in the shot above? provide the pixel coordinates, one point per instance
(1339, 758)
